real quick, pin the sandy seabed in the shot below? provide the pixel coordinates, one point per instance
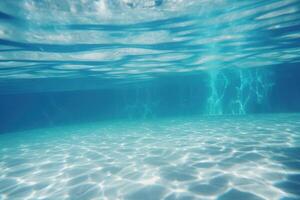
(225, 158)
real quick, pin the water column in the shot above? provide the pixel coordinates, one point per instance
(252, 89)
(218, 84)
(234, 88)
(238, 91)
(217, 81)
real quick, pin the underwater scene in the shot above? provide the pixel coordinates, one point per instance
(150, 99)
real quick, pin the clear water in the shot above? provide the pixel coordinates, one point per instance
(150, 99)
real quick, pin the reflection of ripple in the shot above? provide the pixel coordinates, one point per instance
(132, 40)
(226, 158)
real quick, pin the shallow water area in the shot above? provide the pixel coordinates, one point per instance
(215, 157)
(150, 99)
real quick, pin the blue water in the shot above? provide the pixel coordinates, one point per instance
(150, 99)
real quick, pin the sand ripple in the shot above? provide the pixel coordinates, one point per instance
(223, 158)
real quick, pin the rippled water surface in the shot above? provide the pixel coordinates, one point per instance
(142, 39)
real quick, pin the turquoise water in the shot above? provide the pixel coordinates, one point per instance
(150, 99)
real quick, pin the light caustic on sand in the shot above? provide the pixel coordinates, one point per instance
(248, 157)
